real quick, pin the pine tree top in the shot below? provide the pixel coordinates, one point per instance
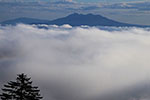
(21, 89)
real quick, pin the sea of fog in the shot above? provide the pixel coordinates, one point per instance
(78, 63)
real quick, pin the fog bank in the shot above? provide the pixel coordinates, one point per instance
(78, 63)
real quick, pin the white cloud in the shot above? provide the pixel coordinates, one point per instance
(69, 0)
(76, 63)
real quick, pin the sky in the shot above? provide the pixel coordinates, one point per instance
(128, 11)
(106, 0)
(79, 0)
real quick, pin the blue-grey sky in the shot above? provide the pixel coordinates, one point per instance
(134, 13)
(79, 0)
(108, 0)
(100, 0)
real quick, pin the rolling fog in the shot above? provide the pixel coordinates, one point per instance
(76, 63)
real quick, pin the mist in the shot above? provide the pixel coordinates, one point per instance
(78, 63)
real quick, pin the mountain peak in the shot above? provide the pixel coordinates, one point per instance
(73, 14)
(74, 19)
(77, 19)
(81, 14)
(84, 15)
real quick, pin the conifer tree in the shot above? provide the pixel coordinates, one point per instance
(21, 89)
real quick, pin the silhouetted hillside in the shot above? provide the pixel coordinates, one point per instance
(73, 20)
(23, 20)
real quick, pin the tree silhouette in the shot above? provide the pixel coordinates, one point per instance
(21, 89)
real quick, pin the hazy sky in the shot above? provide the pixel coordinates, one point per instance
(81, 0)
(133, 13)
(108, 0)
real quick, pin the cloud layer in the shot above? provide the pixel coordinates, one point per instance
(79, 63)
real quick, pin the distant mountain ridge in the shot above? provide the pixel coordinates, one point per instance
(73, 20)
(23, 20)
